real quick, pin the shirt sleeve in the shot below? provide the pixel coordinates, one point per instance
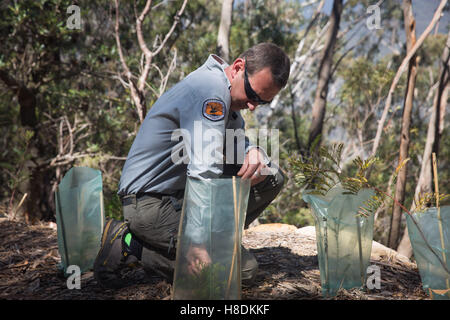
(204, 129)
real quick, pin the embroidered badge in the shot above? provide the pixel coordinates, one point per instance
(214, 109)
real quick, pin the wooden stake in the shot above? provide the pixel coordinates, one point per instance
(361, 263)
(236, 237)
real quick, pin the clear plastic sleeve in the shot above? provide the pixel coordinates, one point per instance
(79, 217)
(209, 240)
(344, 238)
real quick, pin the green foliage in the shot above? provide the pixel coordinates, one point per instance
(365, 81)
(204, 20)
(113, 206)
(365, 85)
(299, 218)
(433, 47)
(72, 74)
(265, 21)
(15, 174)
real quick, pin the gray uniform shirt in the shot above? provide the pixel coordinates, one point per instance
(168, 146)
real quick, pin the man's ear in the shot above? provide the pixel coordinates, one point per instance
(238, 65)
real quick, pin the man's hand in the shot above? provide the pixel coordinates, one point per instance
(197, 258)
(252, 167)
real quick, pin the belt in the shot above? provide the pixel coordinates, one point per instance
(128, 199)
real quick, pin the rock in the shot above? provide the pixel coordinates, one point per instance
(309, 231)
(273, 227)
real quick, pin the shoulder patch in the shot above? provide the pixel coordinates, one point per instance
(214, 109)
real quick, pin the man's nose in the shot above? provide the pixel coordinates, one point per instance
(251, 105)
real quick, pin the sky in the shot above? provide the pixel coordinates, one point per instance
(423, 12)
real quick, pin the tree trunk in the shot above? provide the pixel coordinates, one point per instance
(325, 69)
(37, 186)
(300, 147)
(442, 96)
(425, 182)
(25, 96)
(247, 6)
(410, 27)
(223, 38)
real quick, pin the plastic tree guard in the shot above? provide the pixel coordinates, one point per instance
(79, 217)
(435, 226)
(344, 238)
(211, 226)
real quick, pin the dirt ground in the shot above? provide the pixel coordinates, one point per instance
(288, 270)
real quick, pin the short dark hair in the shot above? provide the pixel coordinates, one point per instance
(269, 55)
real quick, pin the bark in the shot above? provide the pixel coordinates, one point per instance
(325, 69)
(410, 28)
(425, 182)
(223, 38)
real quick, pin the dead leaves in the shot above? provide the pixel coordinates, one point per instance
(288, 269)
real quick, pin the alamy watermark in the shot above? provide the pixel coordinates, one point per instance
(74, 280)
(374, 279)
(74, 20)
(374, 20)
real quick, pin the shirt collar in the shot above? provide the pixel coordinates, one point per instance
(214, 61)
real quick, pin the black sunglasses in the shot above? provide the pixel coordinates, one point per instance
(251, 94)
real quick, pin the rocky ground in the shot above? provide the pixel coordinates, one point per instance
(287, 257)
